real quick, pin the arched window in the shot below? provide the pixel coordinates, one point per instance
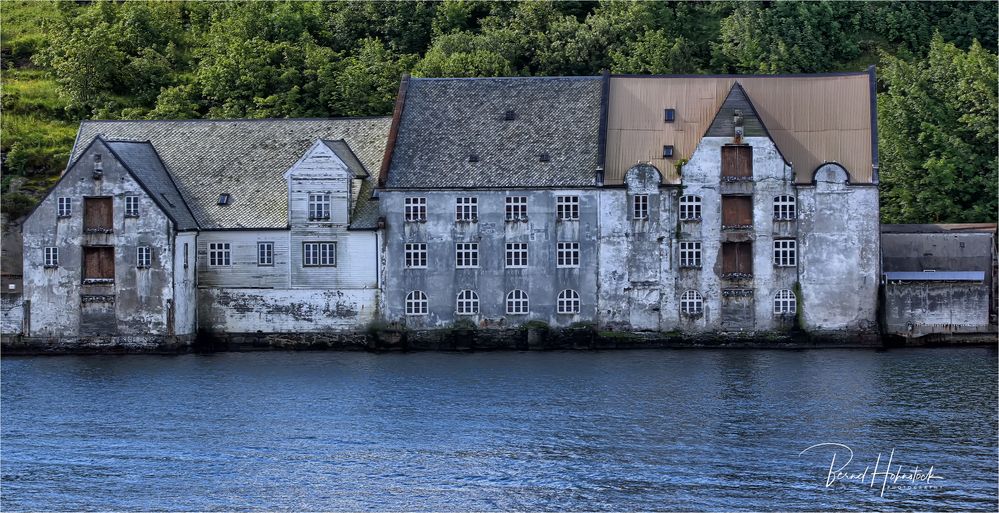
(690, 207)
(468, 302)
(568, 302)
(784, 208)
(691, 303)
(416, 303)
(785, 302)
(516, 302)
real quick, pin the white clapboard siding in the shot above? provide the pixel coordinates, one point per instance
(244, 271)
(356, 260)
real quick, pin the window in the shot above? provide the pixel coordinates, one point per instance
(224, 199)
(466, 254)
(218, 254)
(670, 115)
(516, 208)
(65, 207)
(185, 255)
(691, 303)
(319, 254)
(416, 255)
(51, 257)
(517, 303)
(640, 206)
(516, 254)
(265, 253)
(466, 209)
(690, 207)
(98, 264)
(131, 206)
(567, 254)
(468, 302)
(416, 303)
(737, 211)
(319, 205)
(737, 258)
(97, 215)
(785, 253)
(784, 208)
(668, 152)
(143, 257)
(785, 302)
(567, 208)
(690, 254)
(568, 302)
(416, 209)
(737, 162)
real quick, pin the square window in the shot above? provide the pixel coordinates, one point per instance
(516, 254)
(784, 208)
(567, 208)
(690, 207)
(265, 253)
(466, 254)
(668, 152)
(65, 207)
(416, 209)
(690, 254)
(516, 208)
(567, 254)
(219, 254)
(143, 257)
(416, 255)
(669, 115)
(319, 206)
(785, 253)
(131, 206)
(640, 206)
(466, 209)
(319, 254)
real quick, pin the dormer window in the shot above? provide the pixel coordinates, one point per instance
(544, 157)
(473, 157)
(319, 206)
(669, 116)
(668, 152)
(510, 115)
(224, 198)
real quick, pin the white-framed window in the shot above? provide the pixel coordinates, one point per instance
(51, 256)
(690, 207)
(690, 254)
(319, 254)
(219, 254)
(785, 302)
(567, 254)
(640, 206)
(568, 302)
(319, 205)
(65, 207)
(143, 257)
(517, 302)
(466, 209)
(416, 255)
(784, 207)
(468, 302)
(567, 208)
(785, 252)
(131, 206)
(691, 303)
(516, 208)
(416, 209)
(466, 254)
(516, 254)
(416, 303)
(265, 253)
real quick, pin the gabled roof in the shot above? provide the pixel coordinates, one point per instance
(454, 133)
(244, 158)
(141, 160)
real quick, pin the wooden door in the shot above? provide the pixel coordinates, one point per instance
(97, 214)
(737, 210)
(737, 161)
(737, 257)
(98, 263)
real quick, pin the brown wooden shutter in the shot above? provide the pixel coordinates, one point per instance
(737, 257)
(737, 161)
(737, 210)
(98, 213)
(98, 263)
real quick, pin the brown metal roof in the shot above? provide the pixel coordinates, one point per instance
(812, 118)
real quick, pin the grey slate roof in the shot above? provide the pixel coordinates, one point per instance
(936, 276)
(342, 150)
(141, 159)
(245, 158)
(445, 120)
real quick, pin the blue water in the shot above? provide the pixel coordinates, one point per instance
(622, 430)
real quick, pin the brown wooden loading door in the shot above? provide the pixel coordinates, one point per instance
(737, 210)
(737, 257)
(737, 161)
(98, 263)
(98, 214)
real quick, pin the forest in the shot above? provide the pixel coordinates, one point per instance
(63, 62)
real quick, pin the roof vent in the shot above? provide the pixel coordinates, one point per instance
(473, 157)
(544, 157)
(670, 115)
(668, 152)
(737, 122)
(510, 115)
(224, 198)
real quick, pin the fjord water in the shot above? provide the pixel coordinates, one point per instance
(622, 430)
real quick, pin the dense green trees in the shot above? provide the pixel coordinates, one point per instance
(133, 60)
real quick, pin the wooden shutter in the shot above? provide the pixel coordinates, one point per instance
(737, 161)
(98, 263)
(737, 210)
(737, 257)
(98, 213)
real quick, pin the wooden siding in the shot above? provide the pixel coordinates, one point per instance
(339, 191)
(811, 119)
(244, 271)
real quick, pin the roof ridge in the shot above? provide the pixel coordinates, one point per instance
(223, 120)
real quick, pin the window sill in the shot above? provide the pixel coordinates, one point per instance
(416, 220)
(131, 215)
(516, 267)
(50, 267)
(785, 218)
(567, 219)
(692, 316)
(64, 216)
(567, 267)
(466, 221)
(690, 219)
(692, 267)
(143, 266)
(467, 267)
(786, 266)
(517, 220)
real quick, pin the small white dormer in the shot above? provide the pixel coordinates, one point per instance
(321, 184)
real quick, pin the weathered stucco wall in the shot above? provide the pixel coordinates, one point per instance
(936, 307)
(185, 310)
(284, 311)
(839, 253)
(11, 314)
(138, 301)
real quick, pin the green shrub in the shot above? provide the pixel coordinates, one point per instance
(16, 204)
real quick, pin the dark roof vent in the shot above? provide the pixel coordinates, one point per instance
(510, 115)
(224, 198)
(668, 152)
(473, 157)
(670, 115)
(544, 157)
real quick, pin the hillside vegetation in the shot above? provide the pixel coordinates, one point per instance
(64, 62)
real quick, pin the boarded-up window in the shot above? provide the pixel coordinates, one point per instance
(737, 161)
(97, 214)
(737, 210)
(737, 257)
(98, 263)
